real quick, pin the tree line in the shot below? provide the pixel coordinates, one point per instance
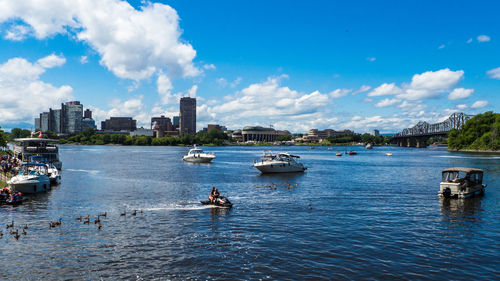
(479, 133)
(90, 137)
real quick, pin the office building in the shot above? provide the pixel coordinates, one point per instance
(376, 133)
(67, 120)
(161, 123)
(119, 124)
(187, 116)
(87, 114)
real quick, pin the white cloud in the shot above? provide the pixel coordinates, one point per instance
(17, 32)
(462, 106)
(441, 46)
(84, 59)
(385, 90)
(133, 44)
(387, 102)
(132, 107)
(372, 59)
(479, 104)
(338, 93)
(270, 103)
(431, 84)
(483, 38)
(51, 61)
(460, 93)
(361, 89)
(469, 41)
(209, 66)
(224, 83)
(23, 95)
(494, 73)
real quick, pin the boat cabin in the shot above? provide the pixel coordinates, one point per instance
(27, 147)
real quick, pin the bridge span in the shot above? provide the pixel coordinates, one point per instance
(418, 135)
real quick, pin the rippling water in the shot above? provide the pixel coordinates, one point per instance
(372, 217)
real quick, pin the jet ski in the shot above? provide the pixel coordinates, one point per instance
(221, 201)
(14, 199)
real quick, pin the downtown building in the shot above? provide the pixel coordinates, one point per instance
(67, 120)
(187, 116)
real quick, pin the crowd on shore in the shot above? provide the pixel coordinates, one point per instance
(8, 164)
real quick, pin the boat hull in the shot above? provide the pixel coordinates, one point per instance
(197, 159)
(30, 186)
(279, 168)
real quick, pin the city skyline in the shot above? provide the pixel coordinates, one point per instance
(360, 66)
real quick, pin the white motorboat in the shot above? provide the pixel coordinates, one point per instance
(32, 178)
(53, 174)
(280, 163)
(196, 155)
(369, 146)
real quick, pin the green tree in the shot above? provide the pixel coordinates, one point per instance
(3, 138)
(20, 133)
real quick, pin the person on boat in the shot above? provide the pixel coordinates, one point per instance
(211, 197)
(216, 194)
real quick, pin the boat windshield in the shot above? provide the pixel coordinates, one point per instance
(195, 151)
(460, 176)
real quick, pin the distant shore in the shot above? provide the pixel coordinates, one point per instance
(475, 151)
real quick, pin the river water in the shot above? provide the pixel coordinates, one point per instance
(373, 217)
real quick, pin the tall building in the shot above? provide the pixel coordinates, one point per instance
(376, 133)
(119, 124)
(187, 116)
(67, 120)
(72, 113)
(87, 114)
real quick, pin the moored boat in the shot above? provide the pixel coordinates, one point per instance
(32, 178)
(338, 154)
(369, 146)
(44, 149)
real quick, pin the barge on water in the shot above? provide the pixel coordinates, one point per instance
(459, 182)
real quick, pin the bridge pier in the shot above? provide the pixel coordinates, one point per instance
(421, 143)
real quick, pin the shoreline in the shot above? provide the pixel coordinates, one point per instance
(475, 151)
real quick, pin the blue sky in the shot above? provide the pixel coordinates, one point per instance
(297, 65)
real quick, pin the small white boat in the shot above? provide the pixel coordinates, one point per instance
(369, 146)
(32, 178)
(196, 155)
(461, 182)
(53, 174)
(280, 163)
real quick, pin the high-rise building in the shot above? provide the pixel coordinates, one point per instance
(72, 113)
(187, 115)
(376, 133)
(87, 114)
(67, 120)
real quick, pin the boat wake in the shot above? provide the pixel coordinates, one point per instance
(180, 206)
(83, 171)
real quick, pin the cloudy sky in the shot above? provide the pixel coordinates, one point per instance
(295, 65)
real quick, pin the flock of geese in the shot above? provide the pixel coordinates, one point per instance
(52, 224)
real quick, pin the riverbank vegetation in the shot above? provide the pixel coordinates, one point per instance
(479, 133)
(3, 138)
(90, 137)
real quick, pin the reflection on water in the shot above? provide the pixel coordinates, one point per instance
(371, 217)
(454, 210)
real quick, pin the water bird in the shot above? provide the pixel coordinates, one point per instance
(24, 232)
(98, 220)
(103, 214)
(123, 214)
(79, 218)
(134, 213)
(55, 223)
(99, 226)
(309, 207)
(1, 234)
(140, 211)
(26, 226)
(10, 225)
(12, 232)
(87, 221)
(17, 236)
(87, 217)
